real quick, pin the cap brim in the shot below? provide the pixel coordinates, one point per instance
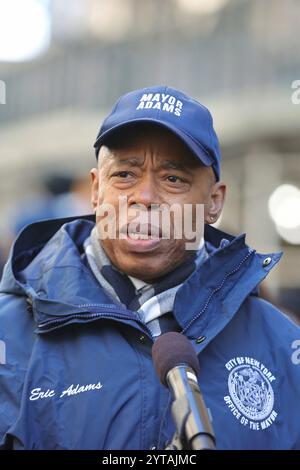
(197, 149)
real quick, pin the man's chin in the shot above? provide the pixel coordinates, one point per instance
(145, 271)
(144, 260)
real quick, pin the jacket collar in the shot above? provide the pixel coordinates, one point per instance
(215, 292)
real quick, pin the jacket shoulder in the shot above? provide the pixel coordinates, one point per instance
(16, 340)
(271, 315)
(277, 332)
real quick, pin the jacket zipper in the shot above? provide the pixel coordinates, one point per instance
(233, 271)
(86, 316)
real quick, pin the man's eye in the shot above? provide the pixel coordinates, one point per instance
(122, 174)
(174, 179)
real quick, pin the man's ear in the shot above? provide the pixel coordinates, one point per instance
(94, 188)
(216, 203)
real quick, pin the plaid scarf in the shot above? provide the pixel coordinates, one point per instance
(153, 303)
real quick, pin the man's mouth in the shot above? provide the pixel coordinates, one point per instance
(141, 232)
(141, 238)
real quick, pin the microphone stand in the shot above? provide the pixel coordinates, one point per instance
(193, 427)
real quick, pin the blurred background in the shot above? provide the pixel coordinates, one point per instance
(64, 63)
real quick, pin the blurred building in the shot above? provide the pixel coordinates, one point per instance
(239, 57)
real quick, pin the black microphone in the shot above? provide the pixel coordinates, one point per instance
(177, 366)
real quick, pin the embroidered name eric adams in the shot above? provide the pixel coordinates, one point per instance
(38, 393)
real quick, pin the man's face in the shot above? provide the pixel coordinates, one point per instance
(150, 168)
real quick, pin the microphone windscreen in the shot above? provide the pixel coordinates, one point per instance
(170, 350)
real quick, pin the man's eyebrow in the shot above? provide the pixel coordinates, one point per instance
(129, 161)
(170, 165)
(165, 165)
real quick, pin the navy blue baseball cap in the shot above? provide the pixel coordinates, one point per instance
(169, 108)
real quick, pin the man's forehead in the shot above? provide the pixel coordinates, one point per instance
(137, 157)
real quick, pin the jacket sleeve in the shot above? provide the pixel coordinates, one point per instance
(16, 341)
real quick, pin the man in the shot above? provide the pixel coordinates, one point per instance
(76, 367)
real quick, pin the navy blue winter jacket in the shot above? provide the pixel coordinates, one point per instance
(76, 370)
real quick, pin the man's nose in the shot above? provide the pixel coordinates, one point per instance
(145, 192)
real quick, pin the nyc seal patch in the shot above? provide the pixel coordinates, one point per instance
(251, 395)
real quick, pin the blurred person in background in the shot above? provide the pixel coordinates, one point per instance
(79, 312)
(63, 196)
